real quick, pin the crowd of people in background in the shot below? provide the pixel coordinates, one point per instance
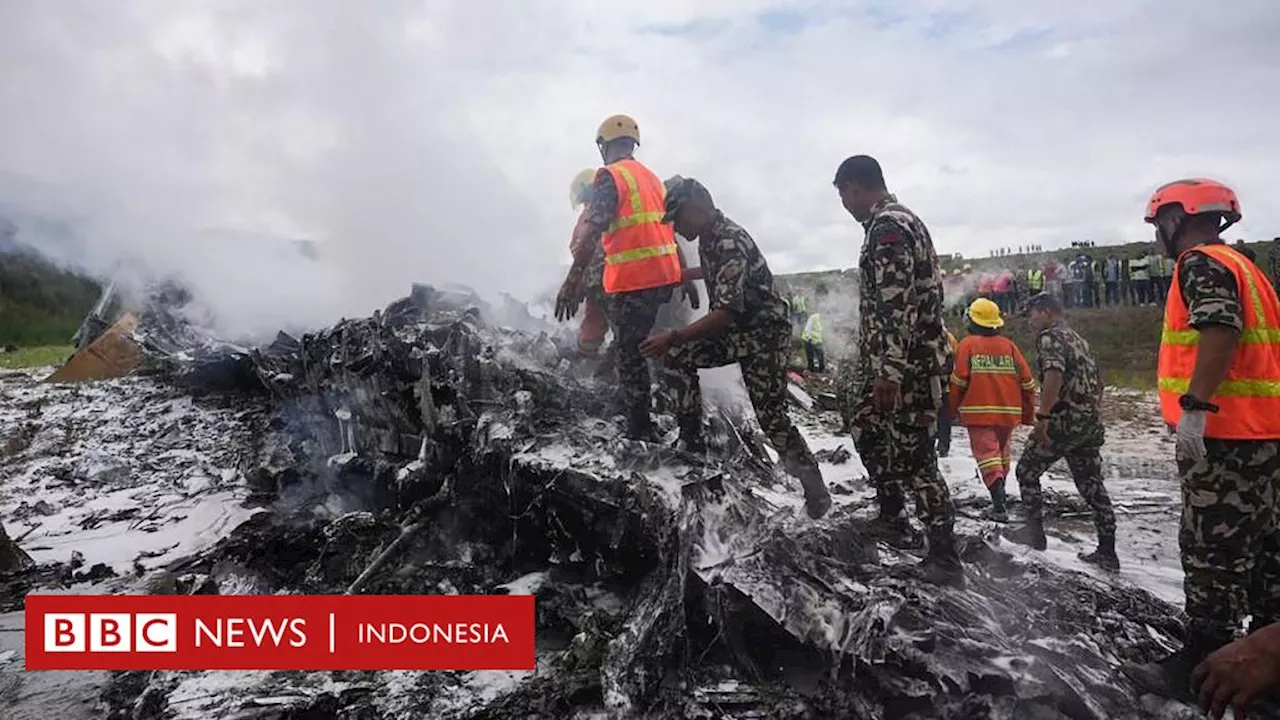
(1021, 250)
(1089, 280)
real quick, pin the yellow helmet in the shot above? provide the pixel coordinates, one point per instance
(581, 187)
(985, 313)
(618, 126)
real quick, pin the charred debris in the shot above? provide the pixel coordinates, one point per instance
(431, 449)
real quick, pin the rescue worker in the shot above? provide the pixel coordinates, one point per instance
(1140, 280)
(1004, 290)
(903, 356)
(992, 392)
(746, 324)
(799, 309)
(1159, 278)
(986, 285)
(1111, 276)
(595, 325)
(815, 357)
(1273, 263)
(1219, 382)
(1067, 425)
(1035, 280)
(642, 263)
(945, 415)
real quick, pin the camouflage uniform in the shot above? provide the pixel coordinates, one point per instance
(759, 340)
(1273, 264)
(1228, 535)
(1075, 428)
(631, 314)
(901, 337)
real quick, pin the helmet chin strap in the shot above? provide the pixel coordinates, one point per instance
(1170, 242)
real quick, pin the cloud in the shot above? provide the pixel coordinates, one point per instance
(434, 140)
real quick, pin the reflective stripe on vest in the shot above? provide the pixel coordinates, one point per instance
(639, 249)
(1249, 397)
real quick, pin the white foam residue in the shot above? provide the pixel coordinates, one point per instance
(477, 688)
(526, 584)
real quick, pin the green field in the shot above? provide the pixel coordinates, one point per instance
(32, 357)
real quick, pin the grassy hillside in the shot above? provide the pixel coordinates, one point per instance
(40, 304)
(1125, 341)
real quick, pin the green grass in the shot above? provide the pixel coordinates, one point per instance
(35, 357)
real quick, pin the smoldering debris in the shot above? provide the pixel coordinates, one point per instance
(426, 450)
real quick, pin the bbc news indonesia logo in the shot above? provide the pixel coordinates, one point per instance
(280, 632)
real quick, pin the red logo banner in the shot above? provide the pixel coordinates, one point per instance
(280, 632)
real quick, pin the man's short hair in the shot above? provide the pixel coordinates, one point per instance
(1045, 301)
(860, 169)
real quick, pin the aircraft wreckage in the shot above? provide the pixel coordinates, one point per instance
(429, 449)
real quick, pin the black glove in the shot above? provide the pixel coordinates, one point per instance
(568, 300)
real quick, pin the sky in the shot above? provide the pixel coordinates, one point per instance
(435, 140)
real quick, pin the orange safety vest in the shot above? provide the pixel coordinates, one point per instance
(1249, 397)
(991, 385)
(639, 249)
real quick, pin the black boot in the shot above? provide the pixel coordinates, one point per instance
(817, 501)
(1105, 556)
(691, 439)
(999, 511)
(1171, 676)
(1031, 534)
(942, 565)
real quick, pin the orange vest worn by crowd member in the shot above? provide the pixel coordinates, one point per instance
(991, 385)
(639, 249)
(1249, 398)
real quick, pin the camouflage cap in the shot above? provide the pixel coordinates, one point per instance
(1044, 301)
(681, 190)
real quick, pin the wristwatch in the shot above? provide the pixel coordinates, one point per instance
(1191, 403)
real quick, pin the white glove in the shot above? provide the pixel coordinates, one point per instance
(1191, 435)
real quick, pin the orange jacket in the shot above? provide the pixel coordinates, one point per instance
(992, 384)
(639, 249)
(1249, 397)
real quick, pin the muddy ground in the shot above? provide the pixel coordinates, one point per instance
(138, 485)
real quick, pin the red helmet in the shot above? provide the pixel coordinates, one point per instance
(1196, 196)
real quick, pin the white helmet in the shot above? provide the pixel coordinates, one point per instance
(580, 188)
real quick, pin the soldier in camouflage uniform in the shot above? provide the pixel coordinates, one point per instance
(1068, 425)
(746, 324)
(902, 358)
(631, 314)
(1218, 361)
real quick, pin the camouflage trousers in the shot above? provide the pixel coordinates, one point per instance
(631, 316)
(1228, 536)
(1078, 440)
(763, 358)
(846, 388)
(898, 454)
